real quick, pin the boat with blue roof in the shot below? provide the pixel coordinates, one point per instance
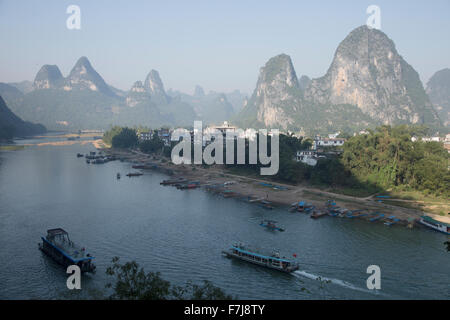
(60, 248)
(271, 225)
(271, 261)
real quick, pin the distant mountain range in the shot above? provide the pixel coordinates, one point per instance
(367, 84)
(83, 100)
(12, 126)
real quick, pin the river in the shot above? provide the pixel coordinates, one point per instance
(181, 234)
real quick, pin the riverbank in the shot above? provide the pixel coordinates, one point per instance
(177, 231)
(278, 194)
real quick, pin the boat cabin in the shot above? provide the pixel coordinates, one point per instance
(58, 246)
(273, 261)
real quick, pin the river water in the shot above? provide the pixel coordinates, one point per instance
(181, 234)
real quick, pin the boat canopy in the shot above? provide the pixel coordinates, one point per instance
(260, 255)
(431, 220)
(56, 232)
(66, 254)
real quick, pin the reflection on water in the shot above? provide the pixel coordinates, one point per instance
(182, 233)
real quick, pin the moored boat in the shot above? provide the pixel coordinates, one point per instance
(270, 225)
(272, 261)
(318, 214)
(266, 204)
(441, 224)
(142, 166)
(134, 174)
(302, 206)
(60, 248)
(172, 182)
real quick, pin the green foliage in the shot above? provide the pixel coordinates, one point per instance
(382, 159)
(110, 134)
(388, 158)
(131, 282)
(152, 146)
(119, 137)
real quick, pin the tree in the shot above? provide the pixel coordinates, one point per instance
(389, 158)
(153, 145)
(127, 138)
(131, 282)
(119, 137)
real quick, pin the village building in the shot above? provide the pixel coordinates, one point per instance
(308, 157)
(145, 135)
(327, 142)
(164, 134)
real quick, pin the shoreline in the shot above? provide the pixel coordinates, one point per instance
(251, 187)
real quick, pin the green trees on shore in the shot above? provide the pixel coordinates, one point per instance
(155, 144)
(387, 157)
(383, 158)
(119, 137)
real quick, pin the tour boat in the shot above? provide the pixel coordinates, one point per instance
(273, 261)
(437, 223)
(60, 248)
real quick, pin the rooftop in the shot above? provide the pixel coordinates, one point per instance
(442, 219)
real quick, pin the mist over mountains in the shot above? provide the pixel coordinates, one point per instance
(83, 100)
(368, 83)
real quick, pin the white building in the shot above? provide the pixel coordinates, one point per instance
(307, 156)
(430, 139)
(145, 135)
(224, 128)
(328, 142)
(334, 135)
(164, 134)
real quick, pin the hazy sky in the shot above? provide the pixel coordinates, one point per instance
(219, 45)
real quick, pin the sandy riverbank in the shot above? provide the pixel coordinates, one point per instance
(251, 187)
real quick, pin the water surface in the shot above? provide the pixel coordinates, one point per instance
(182, 233)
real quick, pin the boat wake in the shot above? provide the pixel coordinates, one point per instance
(338, 282)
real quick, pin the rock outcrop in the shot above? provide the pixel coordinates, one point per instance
(48, 77)
(368, 72)
(438, 89)
(84, 77)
